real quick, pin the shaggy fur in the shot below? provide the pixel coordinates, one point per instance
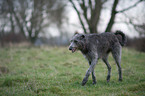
(97, 46)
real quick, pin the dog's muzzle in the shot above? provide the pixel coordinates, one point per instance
(73, 49)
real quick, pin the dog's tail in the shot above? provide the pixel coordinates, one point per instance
(121, 37)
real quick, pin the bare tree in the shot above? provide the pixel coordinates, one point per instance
(32, 16)
(137, 23)
(2, 27)
(114, 12)
(4, 20)
(94, 7)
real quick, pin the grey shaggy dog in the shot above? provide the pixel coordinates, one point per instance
(98, 46)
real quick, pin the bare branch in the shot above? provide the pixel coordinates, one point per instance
(84, 8)
(132, 6)
(140, 28)
(79, 15)
(104, 1)
(90, 4)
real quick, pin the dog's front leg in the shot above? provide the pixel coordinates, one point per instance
(89, 71)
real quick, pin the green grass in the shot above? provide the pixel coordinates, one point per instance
(55, 71)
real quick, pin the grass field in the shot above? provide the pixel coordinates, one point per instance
(53, 71)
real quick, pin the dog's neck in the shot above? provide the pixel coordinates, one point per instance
(84, 50)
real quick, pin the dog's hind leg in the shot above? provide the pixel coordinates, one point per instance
(116, 52)
(105, 59)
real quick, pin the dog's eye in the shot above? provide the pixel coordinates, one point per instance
(75, 41)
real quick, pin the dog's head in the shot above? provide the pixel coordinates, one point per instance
(77, 42)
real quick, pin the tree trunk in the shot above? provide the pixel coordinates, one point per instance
(32, 39)
(95, 17)
(12, 22)
(93, 29)
(95, 11)
(2, 35)
(1, 39)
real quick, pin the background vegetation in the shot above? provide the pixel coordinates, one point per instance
(37, 20)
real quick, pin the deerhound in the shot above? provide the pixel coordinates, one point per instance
(98, 46)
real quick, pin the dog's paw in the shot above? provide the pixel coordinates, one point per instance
(108, 78)
(108, 81)
(84, 82)
(94, 82)
(120, 80)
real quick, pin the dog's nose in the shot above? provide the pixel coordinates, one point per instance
(70, 48)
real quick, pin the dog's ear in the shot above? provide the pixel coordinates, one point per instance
(82, 36)
(76, 33)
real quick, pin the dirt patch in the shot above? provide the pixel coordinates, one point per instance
(67, 64)
(55, 90)
(129, 72)
(75, 78)
(65, 74)
(8, 82)
(3, 70)
(136, 88)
